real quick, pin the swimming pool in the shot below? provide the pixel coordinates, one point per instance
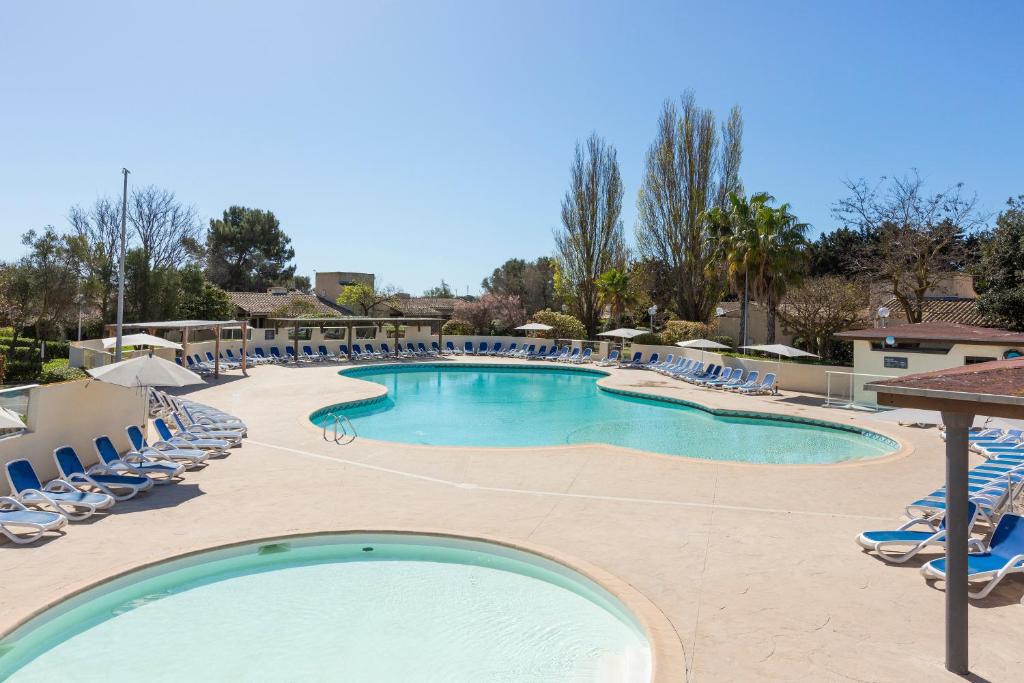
(352, 607)
(447, 405)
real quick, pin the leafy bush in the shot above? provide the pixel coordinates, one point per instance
(564, 326)
(3, 368)
(723, 339)
(652, 338)
(58, 370)
(682, 330)
(456, 326)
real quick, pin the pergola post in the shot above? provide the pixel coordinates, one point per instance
(957, 427)
(348, 338)
(396, 340)
(245, 347)
(295, 340)
(184, 346)
(216, 352)
(440, 338)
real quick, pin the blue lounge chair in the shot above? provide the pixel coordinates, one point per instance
(450, 349)
(370, 352)
(652, 362)
(1005, 556)
(766, 386)
(585, 356)
(308, 355)
(724, 375)
(512, 350)
(324, 354)
(529, 351)
(60, 496)
(424, 351)
(750, 383)
(660, 367)
(734, 381)
(611, 359)
(102, 479)
(681, 365)
(21, 525)
(634, 362)
(258, 352)
(160, 471)
(557, 355)
(163, 451)
(188, 441)
(707, 373)
(482, 351)
(435, 350)
(539, 354)
(693, 369)
(574, 356)
(385, 350)
(467, 347)
(879, 541)
(496, 349)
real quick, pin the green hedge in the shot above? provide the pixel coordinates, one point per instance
(58, 370)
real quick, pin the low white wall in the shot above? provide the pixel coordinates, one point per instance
(802, 377)
(72, 414)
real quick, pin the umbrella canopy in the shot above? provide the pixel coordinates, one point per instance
(146, 371)
(140, 339)
(623, 332)
(539, 327)
(10, 420)
(701, 344)
(780, 350)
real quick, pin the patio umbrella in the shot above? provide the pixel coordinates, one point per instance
(780, 350)
(701, 344)
(535, 327)
(146, 371)
(141, 339)
(10, 420)
(623, 333)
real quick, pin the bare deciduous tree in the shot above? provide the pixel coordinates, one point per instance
(100, 229)
(914, 237)
(167, 230)
(822, 306)
(691, 168)
(590, 240)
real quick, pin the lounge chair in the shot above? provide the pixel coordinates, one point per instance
(435, 349)
(163, 450)
(102, 479)
(734, 381)
(512, 350)
(224, 363)
(692, 370)
(538, 354)
(160, 471)
(496, 349)
(275, 353)
(528, 351)
(450, 349)
(467, 348)
(652, 362)
(585, 356)
(60, 496)
(189, 440)
(209, 420)
(750, 383)
(611, 359)
(422, 349)
(724, 375)
(199, 431)
(766, 386)
(197, 368)
(324, 354)
(309, 356)
(483, 349)
(1005, 556)
(21, 525)
(880, 541)
(635, 361)
(680, 365)
(574, 356)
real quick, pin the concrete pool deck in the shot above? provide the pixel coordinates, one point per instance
(754, 566)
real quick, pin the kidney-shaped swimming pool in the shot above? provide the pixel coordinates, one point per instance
(447, 405)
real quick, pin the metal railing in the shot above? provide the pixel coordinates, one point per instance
(342, 430)
(846, 390)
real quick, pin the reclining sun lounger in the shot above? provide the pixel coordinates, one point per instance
(652, 362)
(161, 471)
(634, 362)
(482, 349)
(103, 480)
(197, 431)
(1005, 556)
(574, 355)
(750, 383)
(60, 496)
(467, 347)
(496, 349)
(189, 440)
(767, 386)
(611, 359)
(585, 356)
(22, 525)
(512, 350)
(881, 541)
(450, 349)
(163, 450)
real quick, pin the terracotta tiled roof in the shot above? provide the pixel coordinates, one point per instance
(263, 303)
(963, 311)
(938, 331)
(995, 378)
(426, 306)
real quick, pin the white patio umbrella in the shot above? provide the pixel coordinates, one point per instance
(535, 327)
(780, 350)
(701, 344)
(623, 333)
(141, 339)
(146, 371)
(10, 420)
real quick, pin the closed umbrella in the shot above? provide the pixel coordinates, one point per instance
(780, 350)
(701, 344)
(10, 420)
(146, 371)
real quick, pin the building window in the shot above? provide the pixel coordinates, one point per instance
(971, 360)
(334, 332)
(366, 333)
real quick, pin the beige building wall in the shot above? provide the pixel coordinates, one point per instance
(72, 414)
(329, 285)
(757, 327)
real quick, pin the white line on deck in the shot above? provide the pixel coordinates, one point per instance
(564, 494)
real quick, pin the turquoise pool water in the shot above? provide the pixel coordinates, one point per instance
(521, 406)
(349, 608)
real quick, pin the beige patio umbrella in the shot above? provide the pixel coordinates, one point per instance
(146, 371)
(701, 344)
(780, 350)
(10, 420)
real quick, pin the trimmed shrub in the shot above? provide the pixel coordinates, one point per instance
(456, 326)
(723, 339)
(58, 370)
(651, 338)
(564, 326)
(682, 330)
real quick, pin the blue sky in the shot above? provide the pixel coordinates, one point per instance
(425, 140)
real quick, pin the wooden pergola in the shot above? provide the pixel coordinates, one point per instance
(995, 389)
(350, 322)
(187, 326)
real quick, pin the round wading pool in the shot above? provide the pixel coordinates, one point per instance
(345, 607)
(448, 405)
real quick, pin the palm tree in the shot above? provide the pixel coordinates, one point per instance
(776, 255)
(615, 290)
(735, 228)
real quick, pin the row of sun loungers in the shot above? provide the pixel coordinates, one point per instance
(712, 376)
(34, 509)
(565, 354)
(997, 540)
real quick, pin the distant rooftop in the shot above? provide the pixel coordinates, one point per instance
(265, 303)
(938, 331)
(948, 309)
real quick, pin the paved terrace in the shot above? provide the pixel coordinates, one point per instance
(754, 566)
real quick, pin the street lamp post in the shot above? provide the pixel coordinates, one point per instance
(120, 267)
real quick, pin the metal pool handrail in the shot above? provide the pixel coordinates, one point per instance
(347, 430)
